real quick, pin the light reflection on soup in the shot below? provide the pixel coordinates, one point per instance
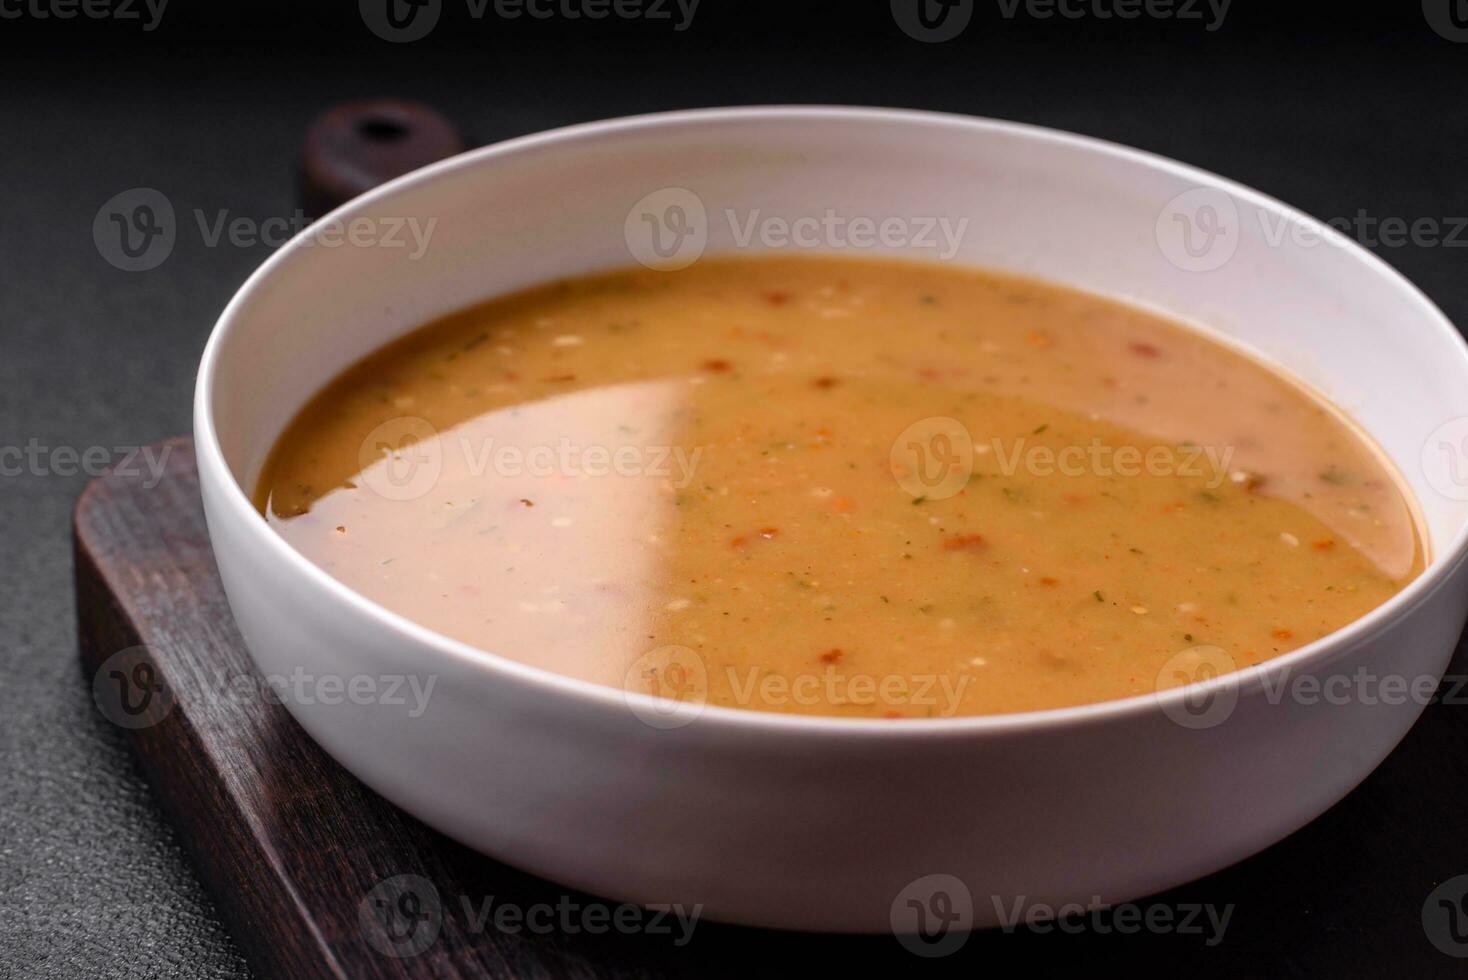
(842, 487)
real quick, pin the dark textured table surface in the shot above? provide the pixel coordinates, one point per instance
(209, 108)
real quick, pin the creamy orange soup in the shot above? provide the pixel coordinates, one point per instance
(842, 487)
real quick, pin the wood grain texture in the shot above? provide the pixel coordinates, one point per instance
(293, 848)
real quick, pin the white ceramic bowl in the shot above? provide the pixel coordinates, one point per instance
(814, 823)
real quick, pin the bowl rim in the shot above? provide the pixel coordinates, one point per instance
(589, 695)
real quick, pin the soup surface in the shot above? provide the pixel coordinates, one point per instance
(842, 487)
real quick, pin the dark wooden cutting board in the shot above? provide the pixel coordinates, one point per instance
(295, 851)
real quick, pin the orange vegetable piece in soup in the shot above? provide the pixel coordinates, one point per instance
(867, 489)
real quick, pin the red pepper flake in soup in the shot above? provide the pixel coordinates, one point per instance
(777, 297)
(716, 365)
(831, 656)
(963, 542)
(1143, 349)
